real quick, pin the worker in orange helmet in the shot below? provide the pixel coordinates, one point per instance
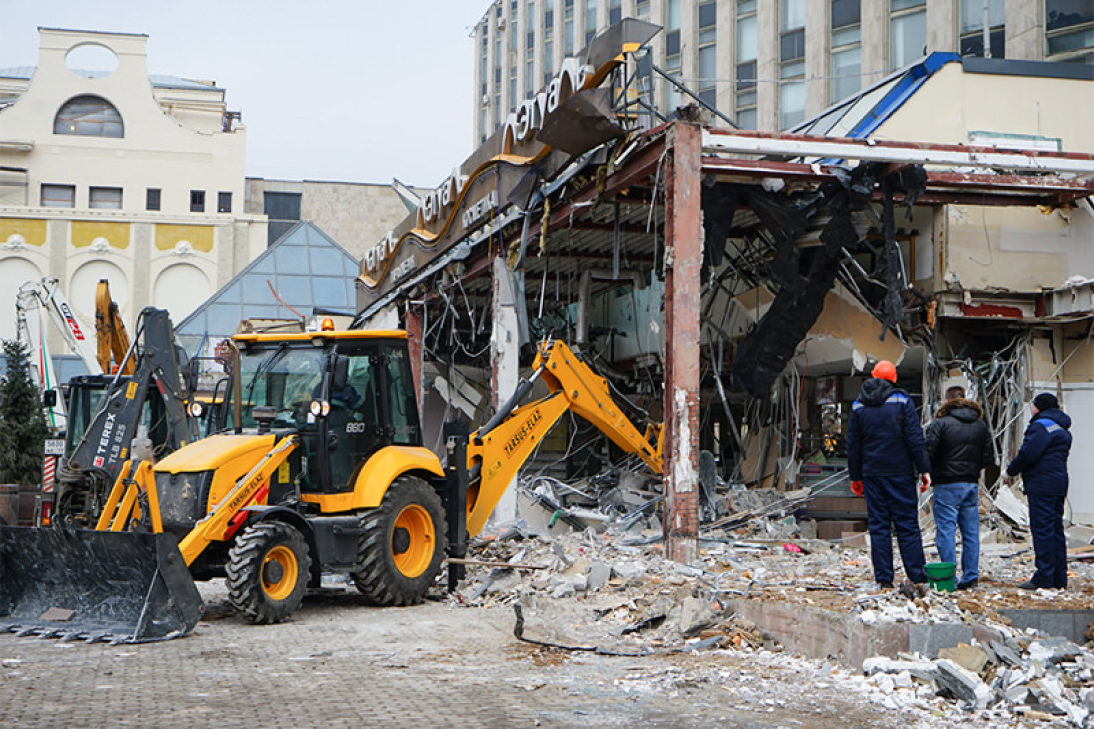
(885, 451)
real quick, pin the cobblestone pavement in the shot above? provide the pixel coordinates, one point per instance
(339, 663)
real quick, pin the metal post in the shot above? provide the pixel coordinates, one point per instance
(683, 256)
(415, 347)
(987, 29)
(455, 498)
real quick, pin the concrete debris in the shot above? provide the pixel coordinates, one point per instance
(606, 588)
(967, 656)
(1052, 650)
(963, 683)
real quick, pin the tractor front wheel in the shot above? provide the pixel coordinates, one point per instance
(268, 570)
(402, 544)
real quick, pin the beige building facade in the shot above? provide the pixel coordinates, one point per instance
(109, 173)
(766, 64)
(356, 214)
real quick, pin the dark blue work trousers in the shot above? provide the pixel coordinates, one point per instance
(1046, 524)
(891, 503)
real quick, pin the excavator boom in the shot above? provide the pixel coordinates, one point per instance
(498, 449)
(111, 337)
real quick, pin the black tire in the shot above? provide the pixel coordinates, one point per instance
(402, 544)
(268, 570)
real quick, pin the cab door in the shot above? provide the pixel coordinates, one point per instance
(355, 424)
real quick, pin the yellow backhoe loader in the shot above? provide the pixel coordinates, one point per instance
(323, 470)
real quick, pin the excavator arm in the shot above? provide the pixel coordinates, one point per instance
(111, 337)
(499, 448)
(97, 458)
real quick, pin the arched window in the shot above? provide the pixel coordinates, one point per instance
(89, 116)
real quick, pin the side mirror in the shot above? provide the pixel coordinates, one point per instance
(49, 398)
(340, 375)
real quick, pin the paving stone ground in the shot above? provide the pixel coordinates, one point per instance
(339, 663)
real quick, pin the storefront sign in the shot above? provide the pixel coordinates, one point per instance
(472, 193)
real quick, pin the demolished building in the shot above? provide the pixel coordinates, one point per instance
(736, 285)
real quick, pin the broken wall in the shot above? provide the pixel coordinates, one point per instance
(1016, 249)
(845, 334)
(1019, 249)
(954, 105)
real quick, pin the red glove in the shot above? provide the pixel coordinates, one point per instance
(856, 488)
(924, 482)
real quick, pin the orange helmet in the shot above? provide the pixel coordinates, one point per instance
(884, 370)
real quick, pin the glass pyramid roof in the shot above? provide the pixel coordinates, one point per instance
(306, 268)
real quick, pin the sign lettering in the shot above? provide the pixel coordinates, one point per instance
(72, 323)
(521, 435)
(480, 209)
(529, 116)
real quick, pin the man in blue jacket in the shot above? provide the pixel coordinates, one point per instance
(1042, 462)
(885, 451)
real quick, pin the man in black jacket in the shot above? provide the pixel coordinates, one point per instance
(958, 445)
(885, 451)
(1042, 461)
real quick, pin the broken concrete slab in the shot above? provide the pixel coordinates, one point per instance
(963, 684)
(1006, 653)
(694, 615)
(1052, 650)
(599, 573)
(967, 656)
(922, 670)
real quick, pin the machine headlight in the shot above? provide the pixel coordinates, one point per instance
(196, 409)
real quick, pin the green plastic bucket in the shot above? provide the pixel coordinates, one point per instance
(941, 575)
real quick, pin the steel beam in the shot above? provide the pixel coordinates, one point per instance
(955, 155)
(683, 256)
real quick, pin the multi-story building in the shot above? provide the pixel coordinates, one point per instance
(767, 64)
(107, 172)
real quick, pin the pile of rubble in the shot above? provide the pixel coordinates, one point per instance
(610, 591)
(1023, 675)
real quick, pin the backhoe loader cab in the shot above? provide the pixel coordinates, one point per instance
(346, 395)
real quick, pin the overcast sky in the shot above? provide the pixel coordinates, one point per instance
(348, 90)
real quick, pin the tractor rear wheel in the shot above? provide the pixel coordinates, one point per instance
(268, 570)
(402, 544)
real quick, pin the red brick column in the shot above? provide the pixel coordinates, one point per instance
(683, 256)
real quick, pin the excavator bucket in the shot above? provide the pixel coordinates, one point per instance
(120, 587)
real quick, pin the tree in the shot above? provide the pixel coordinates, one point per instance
(23, 428)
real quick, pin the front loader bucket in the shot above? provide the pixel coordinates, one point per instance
(121, 587)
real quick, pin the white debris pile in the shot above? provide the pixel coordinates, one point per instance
(1021, 675)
